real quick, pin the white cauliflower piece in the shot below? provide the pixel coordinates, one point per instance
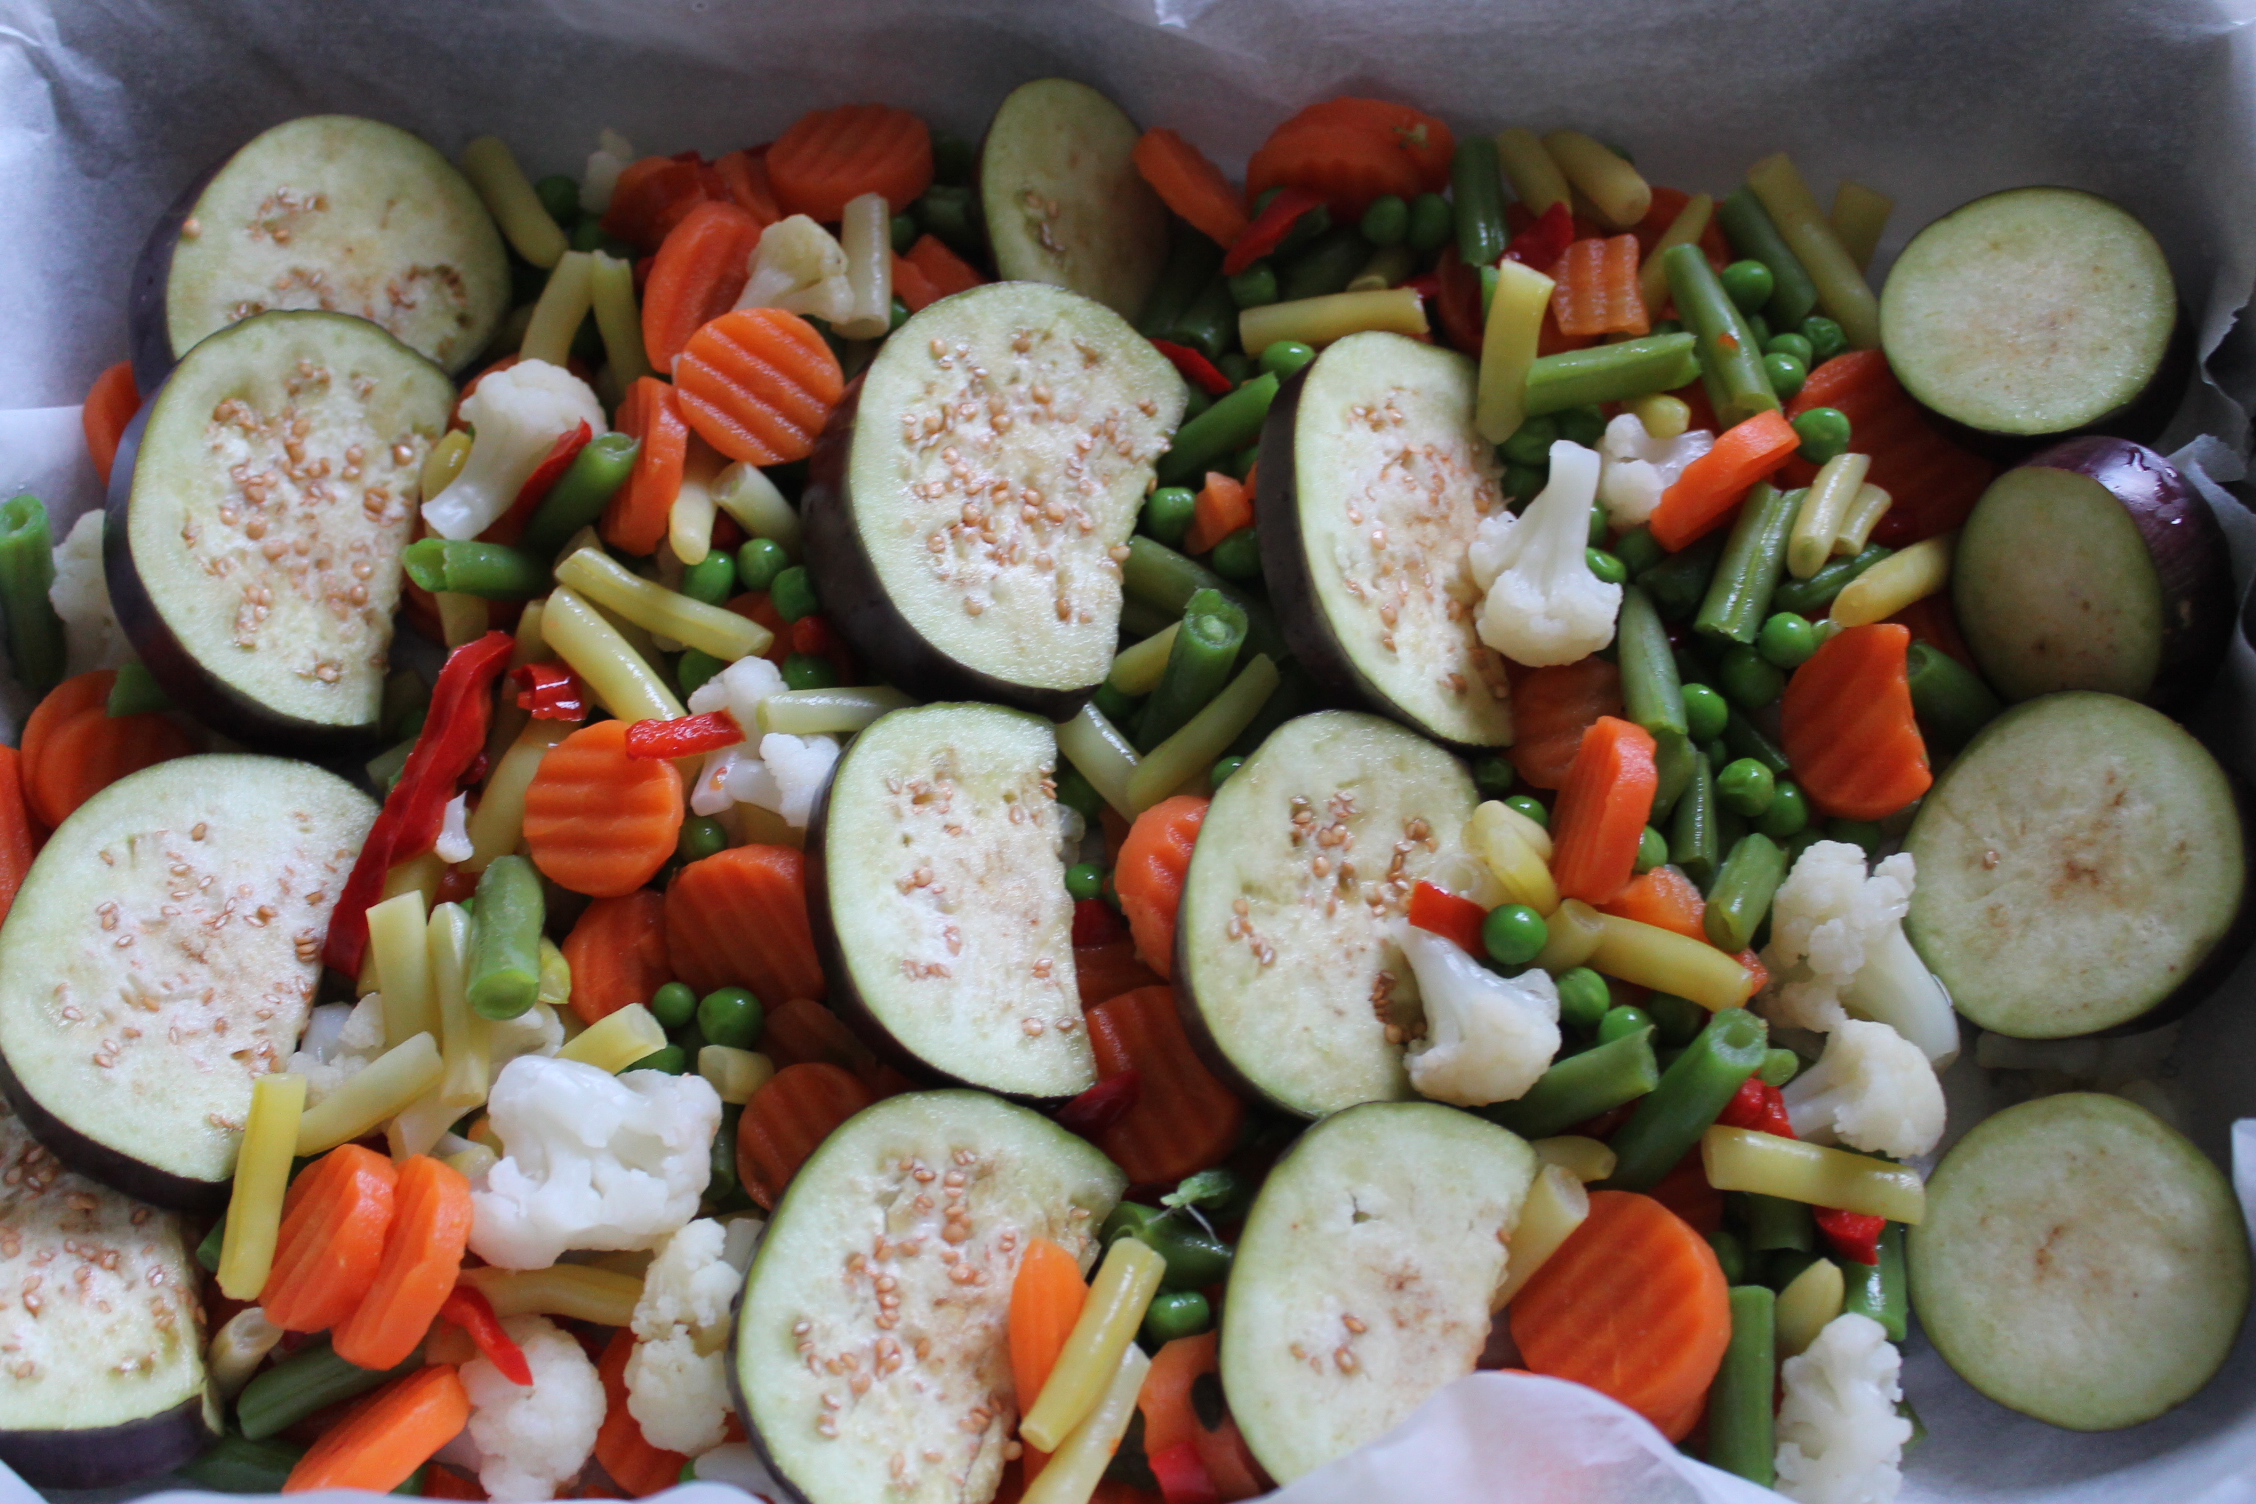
(454, 831)
(1837, 947)
(1544, 606)
(536, 1031)
(677, 1381)
(1488, 1037)
(80, 594)
(788, 776)
(340, 1042)
(1637, 467)
(613, 152)
(799, 266)
(737, 689)
(1872, 1090)
(590, 1160)
(518, 413)
(531, 1438)
(1840, 1439)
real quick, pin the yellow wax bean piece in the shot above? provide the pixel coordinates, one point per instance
(618, 1040)
(1841, 289)
(1104, 756)
(498, 823)
(1496, 840)
(1863, 516)
(1508, 341)
(1556, 1205)
(581, 1292)
(402, 960)
(611, 293)
(1528, 166)
(262, 1174)
(1334, 316)
(383, 1088)
(1817, 521)
(1074, 1470)
(1122, 1291)
(445, 462)
(735, 1073)
(492, 169)
(1690, 224)
(1574, 930)
(1586, 1159)
(1617, 189)
(1810, 1300)
(1669, 962)
(1859, 217)
(594, 649)
(1742, 1159)
(651, 606)
(563, 307)
(1908, 575)
(1137, 670)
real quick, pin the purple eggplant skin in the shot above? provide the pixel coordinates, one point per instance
(148, 321)
(855, 602)
(111, 1455)
(98, 1161)
(2139, 420)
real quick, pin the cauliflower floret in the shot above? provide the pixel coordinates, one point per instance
(536, 1031)
(1488, 1037)
(610, 158)
(1639, 467)
(590, 1160)
(1840, 1440)
(530, 1439)
(739, 689)
(799, 266)
(1837, 947)
(1872, 1090)
(80, 594)
(519, 413)
(339, 1042)
(788, 776)
(454, 832)
(677, 1381)
(1544, 606)
(740, 774)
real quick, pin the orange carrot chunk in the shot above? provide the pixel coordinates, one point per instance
(1149, 875)
(1191, 185)
(758, 384)
(1224, 505)
(787, 1118)
(1847, 728)
(1602, 810)
(380, 1443)
(94, 749)
(423, 1247)
(1663, 897)
(800, 1029)
(739, 919)
(1351, 151)
(1184, 1119)
(1597, 290)
(1105, 971)
(745, 175)
(635, 518)
(598, 821)
(946, 270)
(912, 286)
(110, 405)
(331, 1245)
(617, 952)
(1552, 708)
(1047, 1295)
(1703, 496)
(830, 156)
(700, 268)
(18, 841)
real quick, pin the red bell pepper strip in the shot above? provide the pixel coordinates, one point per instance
(1760, 1106)
(1102, 1105)
(1449, 916)
(690, 736)
(1181, 1475)
(1095, 923)
(511, 524)
(1194, 367)
(453, 739)
(468, 1308)
(1853, 1235)
(1457, 302)
(1269, 228)
(551, 692)
(1541, 244)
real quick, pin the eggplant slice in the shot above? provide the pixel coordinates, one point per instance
(967, 510)
(1287, 972)
(1063, 200)
(872, 1354)
(328, 212)
(939, 901)
(161, 955)
(257, 515)
(1373, 479)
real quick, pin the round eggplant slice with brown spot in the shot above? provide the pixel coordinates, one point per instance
(968, 508)
(1373, 479)
(1063, 200)
(161, 955)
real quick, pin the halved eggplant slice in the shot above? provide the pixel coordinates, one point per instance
(2083, 865)
(1365, 1276)
(101, 1340)
(258, 510)
(893, 1251)
(2080, 1261)
(326, 212)
(1373, 479)
(939, 905)
(1063, 199)
(162, 954)
(1286, 967)
(965, 505)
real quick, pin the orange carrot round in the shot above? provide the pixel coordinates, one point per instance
(700, 268)
(739, 919)
(1847, 728)
(801, 1029)
(1601, 811)
(830, 156)
(598, 821)
(422, 1256)
(758, 384)
(745, 175)
(110, 405)
(1047, 1295)
(787, 1119)
(1551, 709)
(1185, 1120)
(94, 749)
(635, 518)
(617, 952)
(1170, 1417)
(331, 1244)
(1352, 151)
(65, 702)
(1191, 185)
(380, 1443)
(19, 842)
(1149, 875)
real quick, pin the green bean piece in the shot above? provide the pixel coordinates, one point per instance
(1157, 577)
(1754, 557)
(902, 231)
(1680, 582)
(1476, 189)
(578, 498)
(1760, 327)
(1780, 1066)
(1581, 1086)
(1521, 482)
(1748, 285)
(1637, 550)
(1773, 1222)
(1127, 1219)
(1177, 1313)
(310, 1379)
(1748, 679)
(1494, 776)
(1745, 787)
(1811, 597)
(1745, 739)
(1432, 222)
(238, 1465)
(1752, 234)
(1825, 433)
(1238, 556)
(1255, 287)
(490, 571)
(1223, 429)
(1672, 767)
(1076, 793)
(1304, 230)
(1327, 266)
(1740, 899)
(1742, 1426)
(951, 212)
(1195, 1259)
(1115, 704)
(207, 1252)
(505, 952)
(671, 1059)
(1652, 696)
(1691, 1094)
(1949, 699)
(1585, 424)
(1530, 443)
(1387, 221)
(1295, 695)
(27, 569)
(137, 692)
(1583, 999)
(1198, 666)
(1730, 1253)
(711, 579)
(1878, 1290)
(1677, 1021)
(1192, 261)
(1209, 321)
(1692, 828)
(1782, 1266)
(1730, 356)
(1612, 373)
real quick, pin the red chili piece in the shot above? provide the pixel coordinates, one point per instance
(690, 736)
(1447, 915)
(1854, 1235)
(468, 1308)
(542, 481)
(1194, 367)
(1541, 244)
(551, 692)
(1103, 1104)
(1269, 228)
(1760, 1106)
(1181, 1476)
(1095, 923)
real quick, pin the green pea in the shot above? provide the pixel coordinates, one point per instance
(1787, 640)
(1857, 833)
(560, 196)
(1255, 286)
(1620, 1023)
(672, 1059)
(1583, 998)
(695, 667)
(759, 561)
(1513, 934)
(1387, 221)
(896, 316)
(1637, 550)
(1759, 327)
(1748, 679)
(1178, 1313)
(711, 579)
(1285, 357)
(809, 671)
(1788, 814)
(689, 1038)
(1677, 1021)
(1084, 881)
(793, 593)
(1604, 565)
(1652, 850)
(1168, 512)
(1432, 222)
(1494, 776)
(1745, 787)
(1076, 793)
(701, 836)
(904, 231)
(1530, 444)
(1236, 366)
(1111, 893)
(1825, 433)
(1826, 338)
(1706, 713)
(1532, 807)
(1785, 374)
(1748, 284)
(1223, 768)
(1731, 1254)
(1521, 482)
(1115, 705)
(1584, 425)
(731, 1016)
(673, 1005)
(1238, 557)
(1789, 343)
